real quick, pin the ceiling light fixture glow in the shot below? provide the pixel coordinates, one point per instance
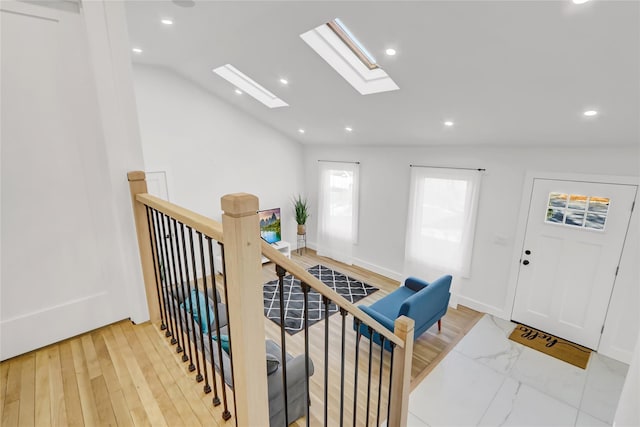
(343, 59)
(579, 1)
(348, 129)
(136, 50)
(448, 123)
(249, 86)
(167, 22)
(284, 81)
(590, 113)
(238, 91)
(390, 52)
(300, 130)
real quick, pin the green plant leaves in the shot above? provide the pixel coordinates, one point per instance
(301, 208)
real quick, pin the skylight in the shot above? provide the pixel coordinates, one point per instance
(249, 86)
(353, 43)
(339, 48)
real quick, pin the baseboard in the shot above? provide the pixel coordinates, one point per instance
(482, 307)
(369, 266)
(378, 269)
(38, 329)
(616, 353)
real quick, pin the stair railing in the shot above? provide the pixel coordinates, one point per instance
(178, 249)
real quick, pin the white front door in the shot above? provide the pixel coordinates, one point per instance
(574, 238)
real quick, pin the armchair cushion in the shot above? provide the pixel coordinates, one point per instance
(185, 315)
(415, 284)
(199, 310)
(272, 363)
(224, 342)
(380, 317)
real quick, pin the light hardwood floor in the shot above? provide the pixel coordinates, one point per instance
(129, 374)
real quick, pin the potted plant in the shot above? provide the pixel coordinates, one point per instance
(301, 207)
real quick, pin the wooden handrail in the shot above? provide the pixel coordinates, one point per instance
(303, 275)
(194, 220)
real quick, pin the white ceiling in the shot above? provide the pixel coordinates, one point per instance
(506, 72)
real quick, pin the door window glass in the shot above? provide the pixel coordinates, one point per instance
(576, 210)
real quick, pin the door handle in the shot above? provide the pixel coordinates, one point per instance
(525, 262)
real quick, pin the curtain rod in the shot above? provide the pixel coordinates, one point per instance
(447, 167)
(337, 161)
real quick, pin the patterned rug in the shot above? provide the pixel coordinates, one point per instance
(351, 289)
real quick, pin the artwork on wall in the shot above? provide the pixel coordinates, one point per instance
(576, 210)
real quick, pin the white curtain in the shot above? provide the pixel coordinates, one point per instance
(338, 210)
(441, 222)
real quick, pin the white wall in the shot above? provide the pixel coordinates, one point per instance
(67, 224)
(384, 179)
(628, 411)
(209, 149)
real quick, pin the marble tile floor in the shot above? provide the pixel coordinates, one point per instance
(489, 380)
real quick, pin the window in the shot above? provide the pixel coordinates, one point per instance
(577, 210)
(338, 210)
(441, 221)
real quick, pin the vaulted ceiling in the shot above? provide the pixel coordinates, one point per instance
(504, 72)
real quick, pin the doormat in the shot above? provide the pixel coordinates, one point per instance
(551, 345)
(351, 289)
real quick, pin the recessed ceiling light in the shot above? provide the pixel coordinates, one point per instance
(284, 81)
(579, 1)
(590, 113)
(348, 129)
(167, 22)
(136, 50)
(249, 86)
(238, 91)
(300, 130)
(390, 52)
(448, 123)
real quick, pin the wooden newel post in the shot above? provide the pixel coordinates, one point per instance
(244, 298)
(137, 185)
(401, 381)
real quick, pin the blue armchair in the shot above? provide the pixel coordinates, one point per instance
(425, 303)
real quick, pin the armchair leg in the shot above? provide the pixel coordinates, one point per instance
(439, 325)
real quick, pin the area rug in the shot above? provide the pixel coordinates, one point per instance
(351, 289)
(551, 345)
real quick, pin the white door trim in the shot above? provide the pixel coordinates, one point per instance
(523, 217)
